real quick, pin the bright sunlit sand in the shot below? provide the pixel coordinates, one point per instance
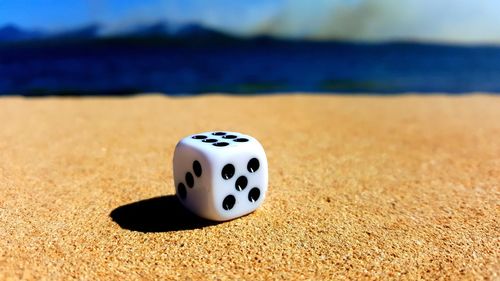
(402, 187)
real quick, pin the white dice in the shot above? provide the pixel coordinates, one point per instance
(220, 175)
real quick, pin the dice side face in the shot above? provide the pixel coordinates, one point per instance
(234, 177)
(192, 179)
(239, 188)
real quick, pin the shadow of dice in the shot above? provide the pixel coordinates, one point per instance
(220, 175)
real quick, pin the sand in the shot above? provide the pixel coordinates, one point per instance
(401, 187)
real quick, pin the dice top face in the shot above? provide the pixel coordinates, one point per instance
(214, 140)
(220, 175)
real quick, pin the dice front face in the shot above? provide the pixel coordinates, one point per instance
(220, 175)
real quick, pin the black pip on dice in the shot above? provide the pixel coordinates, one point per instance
(220, 175)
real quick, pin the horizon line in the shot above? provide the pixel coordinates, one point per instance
(51, 35)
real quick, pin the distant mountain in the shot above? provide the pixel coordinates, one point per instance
(199, 31)
(169, 30)
(13, 33)
(86, 32)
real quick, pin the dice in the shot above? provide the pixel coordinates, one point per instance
(220, 175)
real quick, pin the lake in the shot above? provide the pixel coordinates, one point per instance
(122, 67)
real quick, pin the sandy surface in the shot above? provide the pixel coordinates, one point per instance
(360, 187)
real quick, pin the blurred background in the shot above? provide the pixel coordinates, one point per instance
(179, 47)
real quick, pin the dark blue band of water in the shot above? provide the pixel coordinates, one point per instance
(99, 67)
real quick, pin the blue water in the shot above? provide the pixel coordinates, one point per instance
(126, 67)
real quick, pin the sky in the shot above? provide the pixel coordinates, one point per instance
(450, 21)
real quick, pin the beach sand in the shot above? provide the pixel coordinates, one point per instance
(402, 187)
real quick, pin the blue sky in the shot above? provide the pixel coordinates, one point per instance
(56, 14)
(462, 21)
